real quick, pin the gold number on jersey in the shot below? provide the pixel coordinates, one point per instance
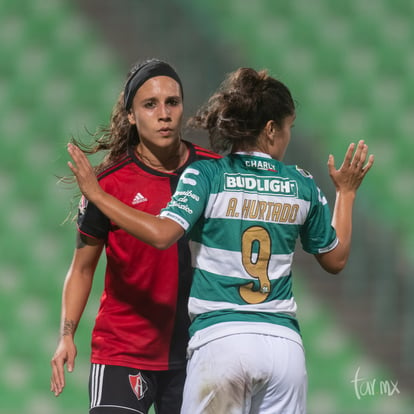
(258, 268)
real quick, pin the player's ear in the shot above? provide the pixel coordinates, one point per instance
(271, 129)
(273, 126)
(131, 118)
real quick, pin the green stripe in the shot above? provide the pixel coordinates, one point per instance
(216, 288)
(211, 318)
(283, 236)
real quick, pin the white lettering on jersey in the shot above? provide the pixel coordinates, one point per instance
(185, 194)
(253, 183)
(260, 165)
(187, 180)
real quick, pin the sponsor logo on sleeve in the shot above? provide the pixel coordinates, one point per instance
(186, 176)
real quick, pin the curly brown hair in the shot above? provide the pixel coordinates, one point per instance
(114, 138)
(241, 107)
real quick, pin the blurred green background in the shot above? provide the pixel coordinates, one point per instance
(349, 65)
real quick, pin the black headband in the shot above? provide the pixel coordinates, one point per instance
(142, 74)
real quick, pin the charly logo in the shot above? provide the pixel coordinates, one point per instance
(186, 176)
(138, 385)
(364, 387)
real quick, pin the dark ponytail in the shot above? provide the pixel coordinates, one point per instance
(241, 107)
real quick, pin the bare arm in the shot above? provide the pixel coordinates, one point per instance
(347, 180)
(75, 295)
(156, 231)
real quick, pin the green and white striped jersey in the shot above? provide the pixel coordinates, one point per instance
(243, 214)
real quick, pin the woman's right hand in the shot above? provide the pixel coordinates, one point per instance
(84, 173)
(65, 354)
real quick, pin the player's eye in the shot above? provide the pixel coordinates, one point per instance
(149, 104)
(173, 101)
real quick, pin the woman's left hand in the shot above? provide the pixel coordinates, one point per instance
(355, 166)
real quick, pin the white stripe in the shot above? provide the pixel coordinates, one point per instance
(177, 218)
(222, 329)
(101, 379)
(122, 407)
(217, 206)
(230, 264)
(198, 306)
(96, 384)
(93, 381)
(254, 154)
(330, 247)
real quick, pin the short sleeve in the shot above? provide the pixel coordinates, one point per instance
(91, 221)
(317, 234)
(190, 198)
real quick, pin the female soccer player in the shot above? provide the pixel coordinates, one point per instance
(141, 331)
(243, 214)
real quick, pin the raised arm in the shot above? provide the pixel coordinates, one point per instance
(157, 231)
(347, 180)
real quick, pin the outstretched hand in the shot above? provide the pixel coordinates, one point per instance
(354, 168)
(83, 172)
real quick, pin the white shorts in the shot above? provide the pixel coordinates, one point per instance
(246, 374)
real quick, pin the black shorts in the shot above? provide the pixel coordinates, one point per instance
(121, 390)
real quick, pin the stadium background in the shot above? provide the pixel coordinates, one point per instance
(349, 65)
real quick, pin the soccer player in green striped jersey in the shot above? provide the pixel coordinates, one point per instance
(243, 215)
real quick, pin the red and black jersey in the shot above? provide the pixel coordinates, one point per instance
(142, 320)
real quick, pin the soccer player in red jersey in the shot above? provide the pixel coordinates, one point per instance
(141, 331)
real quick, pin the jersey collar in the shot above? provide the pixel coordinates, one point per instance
(254, 153)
